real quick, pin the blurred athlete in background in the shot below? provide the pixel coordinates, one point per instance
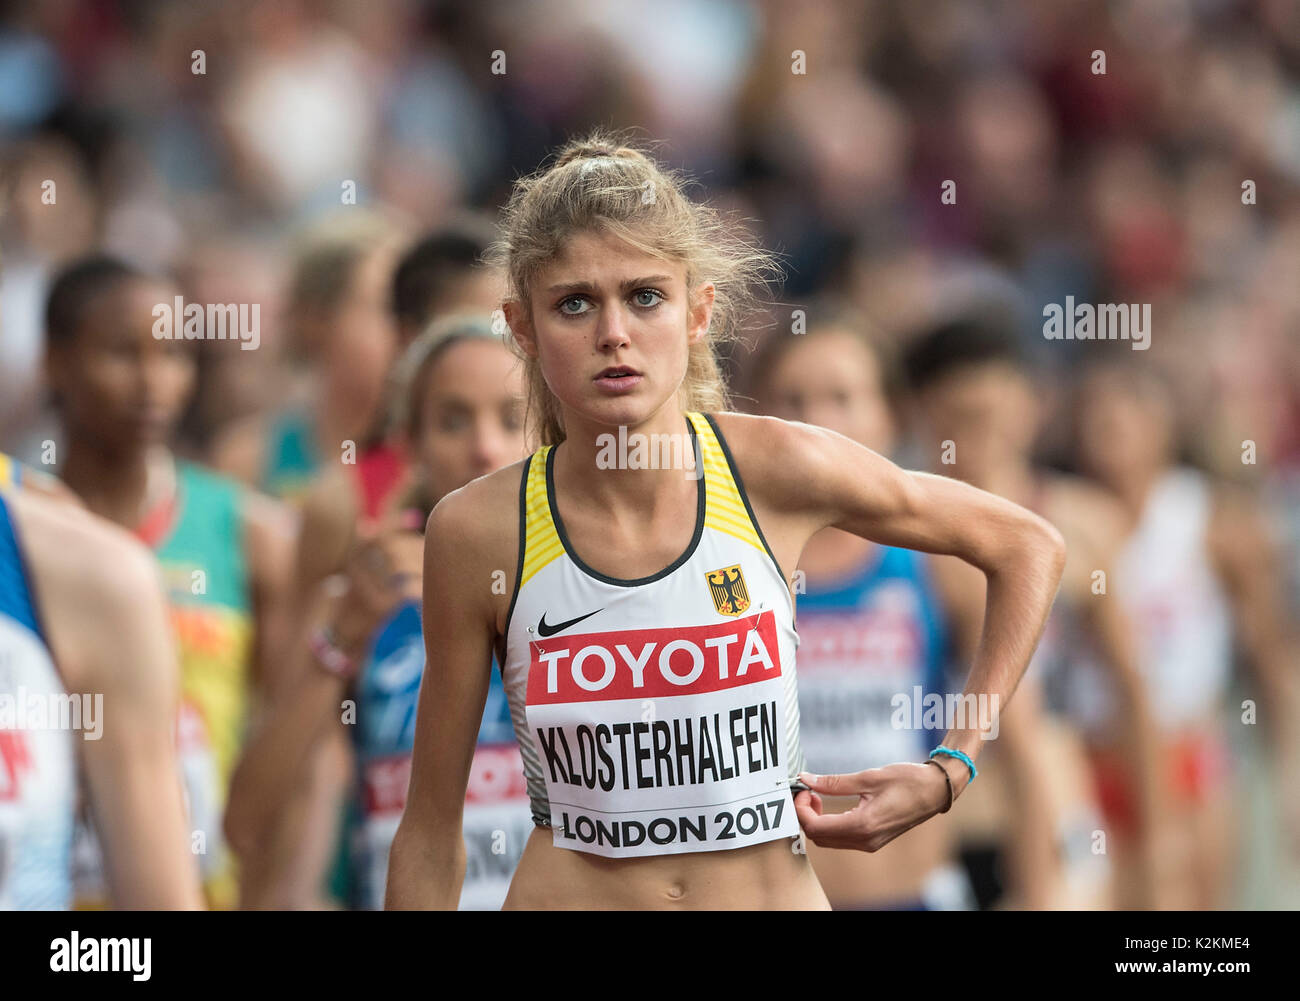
(224, 550)
(82, 614)
(878, 624)
(340, 341)
(973, 388)
(441, 272)
(459, 416)
(1200, 577)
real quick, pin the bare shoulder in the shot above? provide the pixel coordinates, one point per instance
(326, 521)
(270, 534)
(267, 519)
(66, 539)
(1085, 512)
(777, 459)
(1240, 534)
(473, 533)
(38, 482)
(239, 449)
(91, 578)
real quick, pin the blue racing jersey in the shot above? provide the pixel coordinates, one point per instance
(497, 819)
(871, 655)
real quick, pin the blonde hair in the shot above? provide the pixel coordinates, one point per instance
(603, 183)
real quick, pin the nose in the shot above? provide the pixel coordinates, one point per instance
(611, 329)
(822, 413)
(149, 376)
(488, 447)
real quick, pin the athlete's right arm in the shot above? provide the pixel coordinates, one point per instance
(102, 603)
(462, 550)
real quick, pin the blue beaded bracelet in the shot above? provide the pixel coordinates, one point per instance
(960, 756)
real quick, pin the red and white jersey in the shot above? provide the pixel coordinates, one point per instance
(1179, 610)
(659, 715)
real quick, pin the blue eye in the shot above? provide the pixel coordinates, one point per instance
(648, 291)
(569, 312)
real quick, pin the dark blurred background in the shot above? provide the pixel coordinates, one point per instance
(1124, 187)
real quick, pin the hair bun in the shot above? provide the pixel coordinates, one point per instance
(591, 148)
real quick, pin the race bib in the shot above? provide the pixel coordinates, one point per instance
(858, 674)
(663, 741)
(497, 822)
(203, 795)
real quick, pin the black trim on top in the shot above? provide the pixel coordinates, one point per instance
(740, 488)
(523, 535)
(619, 582)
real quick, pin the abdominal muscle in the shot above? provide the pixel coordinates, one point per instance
(769, 876)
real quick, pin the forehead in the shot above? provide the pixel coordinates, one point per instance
(481, 369)
(127, 304)
(601, 258)
(853, 357)
(993, 377)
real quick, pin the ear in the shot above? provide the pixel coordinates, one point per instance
(701, 312)
(519, 320)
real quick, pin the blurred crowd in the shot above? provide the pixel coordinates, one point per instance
(340, 165)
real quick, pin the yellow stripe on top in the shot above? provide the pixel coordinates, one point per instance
(542, 543)
(724, 509)
(8, 472)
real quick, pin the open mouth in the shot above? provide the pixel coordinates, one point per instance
(618, 372)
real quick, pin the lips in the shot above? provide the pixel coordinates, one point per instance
(618, 380)
(617, 372)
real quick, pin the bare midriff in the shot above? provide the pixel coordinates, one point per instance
(769, 876)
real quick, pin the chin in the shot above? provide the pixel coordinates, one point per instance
(627, 411)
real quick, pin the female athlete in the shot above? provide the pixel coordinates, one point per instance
(629, 577)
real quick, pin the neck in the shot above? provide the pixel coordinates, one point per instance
(1133, 487)
(1015, 480)
(583, 462)
(114, 485)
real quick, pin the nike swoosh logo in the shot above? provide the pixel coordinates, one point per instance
(545, 630)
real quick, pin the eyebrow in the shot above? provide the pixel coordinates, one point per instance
(627, 286)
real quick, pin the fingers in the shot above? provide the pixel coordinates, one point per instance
(833, 830)
(827, 830)
(807, 802)
(892, 800)
(852, 784)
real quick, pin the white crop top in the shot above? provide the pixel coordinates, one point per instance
(659, 715)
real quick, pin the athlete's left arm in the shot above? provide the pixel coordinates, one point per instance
(270, 531)
(808, 478)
